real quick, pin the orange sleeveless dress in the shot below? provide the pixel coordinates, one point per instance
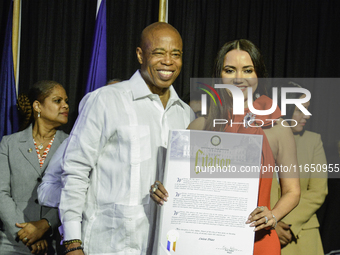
(266, 241)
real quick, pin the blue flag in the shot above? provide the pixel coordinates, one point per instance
(97, 71)
(8, 109)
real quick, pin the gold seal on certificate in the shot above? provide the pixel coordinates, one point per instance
(215, 140)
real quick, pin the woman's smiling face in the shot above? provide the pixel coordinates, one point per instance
(238, 70)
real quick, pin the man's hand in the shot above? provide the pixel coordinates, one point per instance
(39, 247)
(284, 233)
(158, 193)
(32, 231)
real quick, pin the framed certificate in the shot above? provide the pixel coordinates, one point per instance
(211, 193)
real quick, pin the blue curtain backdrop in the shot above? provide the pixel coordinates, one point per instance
(9, 114)
(97, 71)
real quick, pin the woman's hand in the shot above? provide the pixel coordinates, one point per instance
(32, 231)
(158, 193)
(261, 218)
(284, 233)
(39, 247)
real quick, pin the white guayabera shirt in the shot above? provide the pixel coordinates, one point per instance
(115, 152)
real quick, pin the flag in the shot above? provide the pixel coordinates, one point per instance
(8, 109)
(97, 71)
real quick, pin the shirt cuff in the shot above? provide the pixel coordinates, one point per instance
(72, 230)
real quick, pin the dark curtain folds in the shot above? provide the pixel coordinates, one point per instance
(56, 40)
(297, 38)
(125, 22)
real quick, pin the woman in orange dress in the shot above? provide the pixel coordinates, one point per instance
(240, 63)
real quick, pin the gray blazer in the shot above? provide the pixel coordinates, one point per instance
(20, 176)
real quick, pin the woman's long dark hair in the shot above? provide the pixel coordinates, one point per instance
(225, 111)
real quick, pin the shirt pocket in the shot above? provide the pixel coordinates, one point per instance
(134, 143)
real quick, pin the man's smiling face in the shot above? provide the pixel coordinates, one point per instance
(160, 57)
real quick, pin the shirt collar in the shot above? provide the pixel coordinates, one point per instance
(139, 90)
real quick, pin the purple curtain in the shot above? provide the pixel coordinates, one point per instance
(9, 113)
(97, 71)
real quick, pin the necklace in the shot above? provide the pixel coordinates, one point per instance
(41, 145)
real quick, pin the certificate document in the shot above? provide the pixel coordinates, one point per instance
(211, 194)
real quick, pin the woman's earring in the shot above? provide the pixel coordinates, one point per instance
(38, 114)
(257, 95)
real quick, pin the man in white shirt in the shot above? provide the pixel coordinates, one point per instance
(117, 150)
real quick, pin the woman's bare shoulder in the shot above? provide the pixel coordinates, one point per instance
(197, 124)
